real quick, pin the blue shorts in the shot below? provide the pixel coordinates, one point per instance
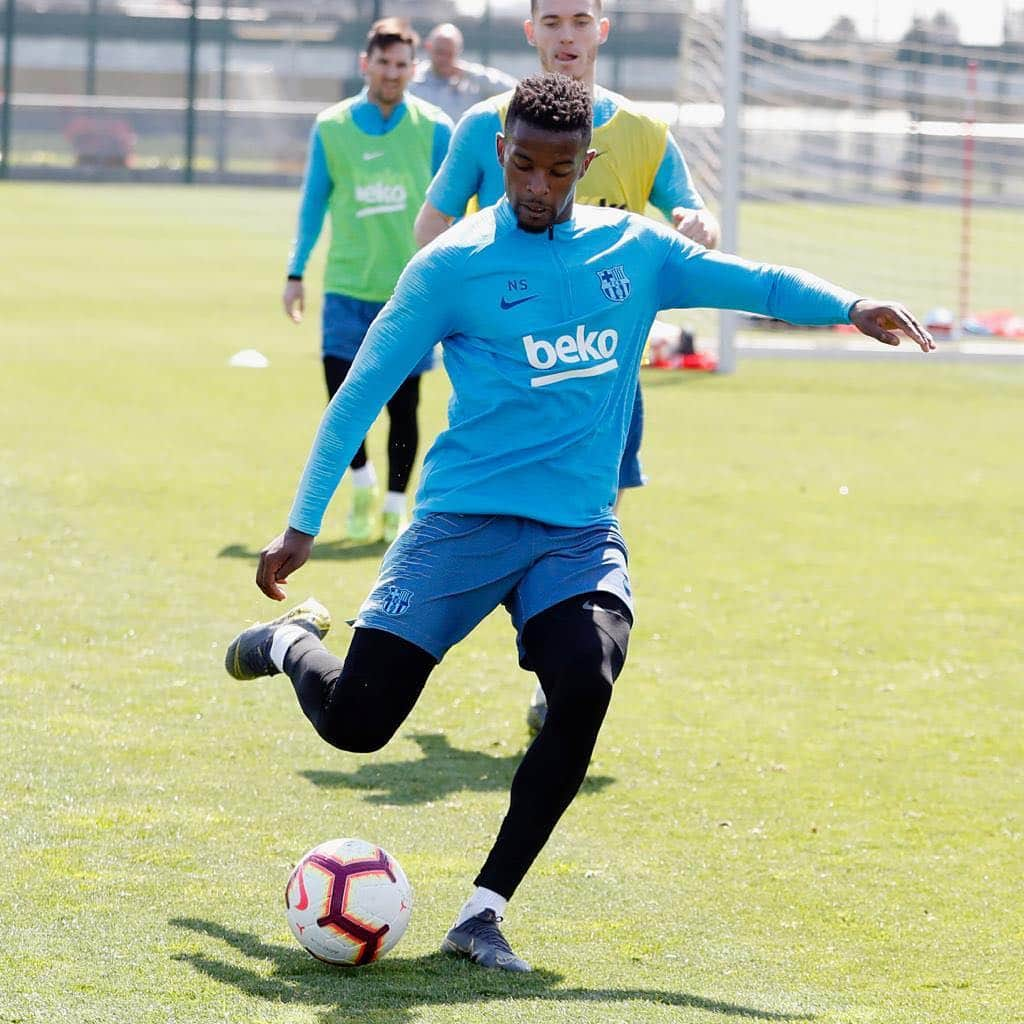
(631, 474)
(344, 324)
(448, 571)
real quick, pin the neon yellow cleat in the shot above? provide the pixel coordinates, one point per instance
(395, 524)
(248, 655)
(360, 519)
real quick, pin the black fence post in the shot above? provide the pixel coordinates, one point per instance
(91, 41)
(222, 92)
(5, 129)
(190, 89)
(487, 24)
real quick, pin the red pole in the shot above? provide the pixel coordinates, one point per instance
(967, 197)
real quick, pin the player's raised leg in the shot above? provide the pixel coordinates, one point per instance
(355, 703)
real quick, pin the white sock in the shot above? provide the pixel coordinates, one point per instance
(284, 637)
(364, 476)
(394, 501)
(481, 900)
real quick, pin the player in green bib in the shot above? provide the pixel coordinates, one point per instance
(371, 157)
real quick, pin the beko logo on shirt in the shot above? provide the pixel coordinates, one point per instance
(591, 351)
(380, 197)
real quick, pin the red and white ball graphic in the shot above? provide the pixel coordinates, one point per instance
(348, 902)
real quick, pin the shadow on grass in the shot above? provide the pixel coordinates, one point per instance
(329, 551)
(394, 990)
(441, 771)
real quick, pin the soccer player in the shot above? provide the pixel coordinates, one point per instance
(371, 157)
(639, 162)
(451, 82)
(543, 309)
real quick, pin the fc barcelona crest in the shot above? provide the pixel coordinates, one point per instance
(614, 284)
(395, 601)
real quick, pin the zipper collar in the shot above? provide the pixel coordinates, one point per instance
(562, 232)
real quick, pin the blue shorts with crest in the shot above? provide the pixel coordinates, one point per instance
(448, 571)
(344, 323)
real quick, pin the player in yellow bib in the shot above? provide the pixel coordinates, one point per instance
(638, 163)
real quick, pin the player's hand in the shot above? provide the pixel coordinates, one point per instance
(279, 559)
(881, 321)
(294, 299)
(700, 226)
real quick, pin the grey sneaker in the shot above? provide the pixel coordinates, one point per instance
(248, 655)
(537, 712)
(479, 939)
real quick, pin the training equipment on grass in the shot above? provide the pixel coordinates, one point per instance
(348, 902)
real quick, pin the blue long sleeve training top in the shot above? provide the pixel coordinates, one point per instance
(543, 336)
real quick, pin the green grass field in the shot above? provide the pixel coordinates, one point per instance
(807, 801)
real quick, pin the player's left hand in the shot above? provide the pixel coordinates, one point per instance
(881, 321)
(294, 300)
(700, 226)
(279, 559)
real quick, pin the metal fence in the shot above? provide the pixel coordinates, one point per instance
(188, 91)
(226, 92)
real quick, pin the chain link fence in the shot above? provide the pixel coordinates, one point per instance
(226, 92)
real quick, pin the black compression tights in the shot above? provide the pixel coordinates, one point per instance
(403, 428)
(577, 649)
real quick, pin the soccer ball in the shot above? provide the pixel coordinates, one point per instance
(348, 902)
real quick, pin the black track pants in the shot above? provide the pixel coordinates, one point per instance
(403, 427)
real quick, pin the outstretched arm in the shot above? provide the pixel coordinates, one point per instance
(403, 332)
(693, 277)
(418, 314)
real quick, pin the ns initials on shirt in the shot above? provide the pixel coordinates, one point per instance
(590, 351)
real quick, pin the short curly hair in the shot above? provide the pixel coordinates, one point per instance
(556, 103)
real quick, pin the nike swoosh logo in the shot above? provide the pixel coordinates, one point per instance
(589, 606)
(505, 304)
(373, 156)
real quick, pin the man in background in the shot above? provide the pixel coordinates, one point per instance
(371, 157)
(450, 82)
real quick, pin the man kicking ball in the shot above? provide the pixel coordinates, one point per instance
(543, 309)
